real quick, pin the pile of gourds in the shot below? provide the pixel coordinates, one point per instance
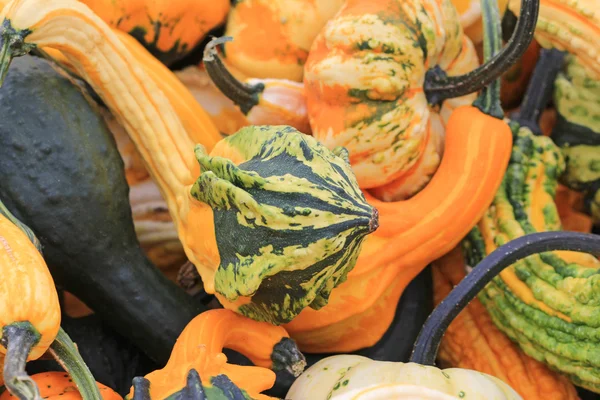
(232, 196)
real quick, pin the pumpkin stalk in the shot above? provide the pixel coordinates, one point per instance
(540, 89)
(19, 338)
(428, 341)
(141, 388)
(193, 389)
(64, 351)
(13, 45)
(245, 96)
(439, 86)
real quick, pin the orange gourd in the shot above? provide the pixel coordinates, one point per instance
(272, 37)
(200, 347)
(169, 30)
(58, 385)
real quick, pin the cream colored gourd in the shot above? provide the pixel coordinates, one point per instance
(346, 377)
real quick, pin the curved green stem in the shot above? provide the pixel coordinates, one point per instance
(539, 89)
(64, 351)
(19, 338)
(489, 99)
(12, 45)
(438, 86)
(244, 96)
(428, 341)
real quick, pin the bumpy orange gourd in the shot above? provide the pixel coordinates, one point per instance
(364, 82)
(168, 29)
(58, 385)
(200, 346)
(272, 37)
(472, 341)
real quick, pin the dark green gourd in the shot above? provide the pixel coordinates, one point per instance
(63, 176)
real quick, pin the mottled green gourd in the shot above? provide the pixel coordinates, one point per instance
(289, 220)
(548, 303)
(577, 131)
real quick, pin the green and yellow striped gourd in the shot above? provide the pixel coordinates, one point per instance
(547, 303)
(577, 130)
(289, 220)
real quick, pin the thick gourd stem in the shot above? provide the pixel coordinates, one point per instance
(102, 60)
(64, 351)
(245, 96)
(428, 341)
(193, 389)
(141, 388)
(489, 99)
(439, 87)
(540, 89)
(19, 338)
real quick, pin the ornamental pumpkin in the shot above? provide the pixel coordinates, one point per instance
(272, 37)
(356, 377)
(332, 209)
(58, 385)
(168, 30)
(472, 341)
(31, 326)
(200, 346)
(545, 303)
(416, 231)
(30, 316)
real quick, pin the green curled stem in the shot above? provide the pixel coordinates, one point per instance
(243, 95)
(19, 338)
(64, 351)
(438, 86)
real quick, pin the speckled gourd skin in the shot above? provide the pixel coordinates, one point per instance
(547, 303)
(289, 220)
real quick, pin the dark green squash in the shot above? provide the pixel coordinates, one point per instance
(64, 177)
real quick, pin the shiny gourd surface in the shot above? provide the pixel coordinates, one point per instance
(472, 341)
(346, 377)
(374, 104)
(546, 296)
(168, 153)
(169, 30)
(200, 347)
(271, 38)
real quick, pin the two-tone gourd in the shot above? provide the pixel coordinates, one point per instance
(262, 182)
(346, 377)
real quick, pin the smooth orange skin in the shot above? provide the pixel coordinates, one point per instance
(59, 386)
(412, 233)
(200, 346)
(27, 291)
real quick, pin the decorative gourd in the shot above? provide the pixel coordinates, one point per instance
(577, 130)
(200, 347)
(30, 312)
(59, 386)
(356, 377)
(548, 298)
(569, 207)
(472, 341)
(272, 37)
(168, 30)
(515, 79)
(335, 235)
(380, 108)
(71, 190)
(570, 26)
(419, 230)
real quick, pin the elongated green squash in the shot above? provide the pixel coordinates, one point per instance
(63, 176)
(547, 303)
